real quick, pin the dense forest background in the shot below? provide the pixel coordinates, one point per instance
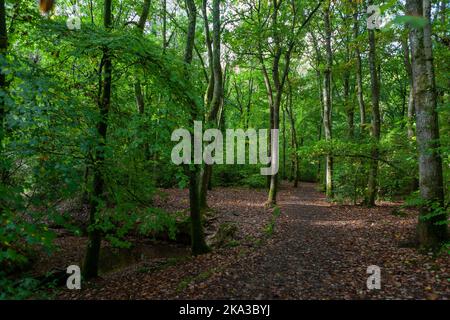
(88, 107)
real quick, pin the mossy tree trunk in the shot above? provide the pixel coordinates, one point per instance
(197, 235)
(430, 234)
(372, 187)
(359, 79)
(3, 84)
(215, 92)
(90, 267)
(327, 122)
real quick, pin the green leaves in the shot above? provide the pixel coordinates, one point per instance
(412, 21)
(156, 221)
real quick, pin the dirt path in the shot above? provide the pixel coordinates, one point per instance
(318, 251)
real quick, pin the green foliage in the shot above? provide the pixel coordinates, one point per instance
(17, 290)
(255, 181)
(47, 153)
(155, 220)
(415, 22)
(270, 228)
(351, 165)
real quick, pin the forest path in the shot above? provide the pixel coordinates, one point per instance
(313, 251)
(318, 251)
(322, 251)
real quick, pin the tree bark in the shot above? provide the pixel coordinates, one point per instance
(294, 140)
(372, 187)
(275, 89)
(198, 243)
(209, 50)
(284, 144)
(408, 68)
(349, 111)
(140, 101)
(276, 102)
(429, 233)
(3, 84)
(216, 102)
(348, 104)
(164, 17)
(359, 82)
(327, 102)
(98, 197)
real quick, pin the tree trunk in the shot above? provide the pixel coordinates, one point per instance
(359, 82)
(98, 197)
(320, 96)
(349, 111)
(249, 103)
(140, 101)
(217, 92)
(294, 141)
(427, 129)
(327, 103)
(348, 104)
(164, 17)
(197, 234)
(208, 42)
(275, 125)
(410, 112)
(284, 145)
(3, 84)
(375, 90)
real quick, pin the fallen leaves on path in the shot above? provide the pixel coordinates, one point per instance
(317, 251)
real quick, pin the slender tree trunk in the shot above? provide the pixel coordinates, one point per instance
(327, 103)
(273, 190)
(270, 100)
(279, 80)
(320, 97)
(348, 104)
(430, 234)
(349, 111)
(249, 103)
(197, 234)
(3, 84)
(208, 42)
(372, 187)
(217, 93)
(275, 123)
(98, 196)
(295, 159)
(410, 112)
(278, 84)
(164, 17)
(359, 82)
(284, 144)
(414, 185)
(140, 101)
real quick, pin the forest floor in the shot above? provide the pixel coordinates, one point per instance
(316, 250)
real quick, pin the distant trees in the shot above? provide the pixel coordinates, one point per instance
(104, 100)
(276, 43)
